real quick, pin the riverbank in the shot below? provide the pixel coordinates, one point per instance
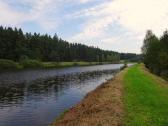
(101, 107)
(70, 64)
(34, 64)
(133, 97)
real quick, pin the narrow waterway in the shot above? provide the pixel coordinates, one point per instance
(37, 97)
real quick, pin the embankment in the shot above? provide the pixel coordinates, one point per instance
(135, 97)
(101, 107)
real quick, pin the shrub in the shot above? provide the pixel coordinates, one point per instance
(31, 64)
(8, 64)
(164, 74)
(75, 64)
(23, 57)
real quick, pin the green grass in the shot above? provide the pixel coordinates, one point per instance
(145, 100)
(9, 64)
(69, 64)
(29, 64)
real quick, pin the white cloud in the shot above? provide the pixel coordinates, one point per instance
(136, 16)
(140, 15)
(42, 12)
(133, 17)
(9, 17)
(39, 12)
(95, 28)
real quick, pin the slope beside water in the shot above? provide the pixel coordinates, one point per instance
(134, 98)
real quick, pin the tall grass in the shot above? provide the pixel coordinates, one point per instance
(9, 64)
(31, 64)
(69, 64)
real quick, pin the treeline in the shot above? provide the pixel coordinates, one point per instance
(16, 45)
(131, 57)
(155, 53)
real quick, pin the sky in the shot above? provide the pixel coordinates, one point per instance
(118, 25)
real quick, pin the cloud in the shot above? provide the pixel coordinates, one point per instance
(8, 16)
(140, 15)
(94, 29)
(109, 24)
(45, 13)
(134, 16)
(40, 12)
(137, 15)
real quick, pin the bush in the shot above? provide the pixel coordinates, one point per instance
(75, 64)
(164, 74)
(8, 64)
(23, 57)
(31, 64)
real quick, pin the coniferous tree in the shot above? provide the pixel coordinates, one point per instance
(15, 45)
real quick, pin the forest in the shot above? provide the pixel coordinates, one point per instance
(16, 46)
(130, 57)
(34, 50)
(155, 53)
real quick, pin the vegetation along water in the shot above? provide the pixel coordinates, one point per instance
(26, 50)
(135, 97)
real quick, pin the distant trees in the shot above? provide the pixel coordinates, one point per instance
(17, 46)
(155, 53)
(131, 57)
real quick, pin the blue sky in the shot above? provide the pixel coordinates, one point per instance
(118, 25)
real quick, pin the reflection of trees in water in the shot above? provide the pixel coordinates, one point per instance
(14, 93)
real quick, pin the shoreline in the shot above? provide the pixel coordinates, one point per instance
(95, 106)
(52, 65)
(131, 98)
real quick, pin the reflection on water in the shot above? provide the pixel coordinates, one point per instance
(37, 101)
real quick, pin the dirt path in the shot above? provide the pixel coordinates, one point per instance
(101, 107)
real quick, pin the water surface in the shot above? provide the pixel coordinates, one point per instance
(37, 97)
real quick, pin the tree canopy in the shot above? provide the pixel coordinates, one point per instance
(16, 45)
(155, 53)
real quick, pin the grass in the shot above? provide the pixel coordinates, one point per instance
(9, 64)
(26, 64)
(31, 64)
(134, 98)
(145, 99)
(68, 64)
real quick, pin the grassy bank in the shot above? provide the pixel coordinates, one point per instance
(101, 107)
(69, 64)
(26, 64)
(134, 98)
(145, 98)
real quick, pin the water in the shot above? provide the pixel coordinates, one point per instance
(37, 97)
